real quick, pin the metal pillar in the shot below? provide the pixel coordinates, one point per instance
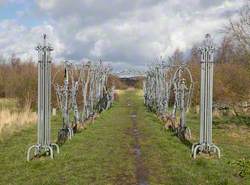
(63, 100)
(44, 144)
(206, 100)
(73, 95)
(183, 108)
(85, 78)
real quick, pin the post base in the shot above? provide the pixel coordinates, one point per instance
(42, 149)
(70, 133)
(183, 132)
(205, 148)
(64, 134)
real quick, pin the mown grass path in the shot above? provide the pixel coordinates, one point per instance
(126, 145)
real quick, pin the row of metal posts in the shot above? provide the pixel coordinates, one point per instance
(183, 92)
(93, 78)
(160, 84)
(155, 89)
(96, 96)
(154, 96)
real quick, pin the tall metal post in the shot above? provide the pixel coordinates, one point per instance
(63, 100)
(44, 144)
(85, 74)
(74, 105)
(183, 108)
(206, 100)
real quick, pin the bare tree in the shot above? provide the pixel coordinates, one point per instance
(240, 29)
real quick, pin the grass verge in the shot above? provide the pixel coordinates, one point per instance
(103, 153)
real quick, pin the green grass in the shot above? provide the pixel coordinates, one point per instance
(103, 153)
(8, 103)
(170, 162)
(237, 120)
(97, 155)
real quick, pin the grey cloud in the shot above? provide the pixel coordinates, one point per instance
(2, 2)
(20, 40)
(92, 10)
(134, 32)
(131, 33)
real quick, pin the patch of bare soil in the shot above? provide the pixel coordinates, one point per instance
(141, 171)
(131, 89)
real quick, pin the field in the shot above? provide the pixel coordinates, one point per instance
(127, 145)
(14, 119)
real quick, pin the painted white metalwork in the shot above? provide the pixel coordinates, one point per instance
(183, 88)
(96, 95)
(163, 80)
(73, 97)
(92, 79)
(44, 144)
(156, 88)
(63, 100)
(206, 100)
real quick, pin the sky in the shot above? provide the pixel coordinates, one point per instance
(124, 33)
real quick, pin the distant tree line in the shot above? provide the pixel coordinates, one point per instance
(232, 62)
(18, 79)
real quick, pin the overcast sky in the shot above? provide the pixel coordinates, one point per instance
(123, 32)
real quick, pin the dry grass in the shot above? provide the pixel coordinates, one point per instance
(8, 103)
(119, 92)
(13, 121)
(140, 93)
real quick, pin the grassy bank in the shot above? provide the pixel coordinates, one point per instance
(104, 153)
(169, 160)
(98, 155)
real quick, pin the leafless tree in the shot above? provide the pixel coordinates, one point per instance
(240, 29)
